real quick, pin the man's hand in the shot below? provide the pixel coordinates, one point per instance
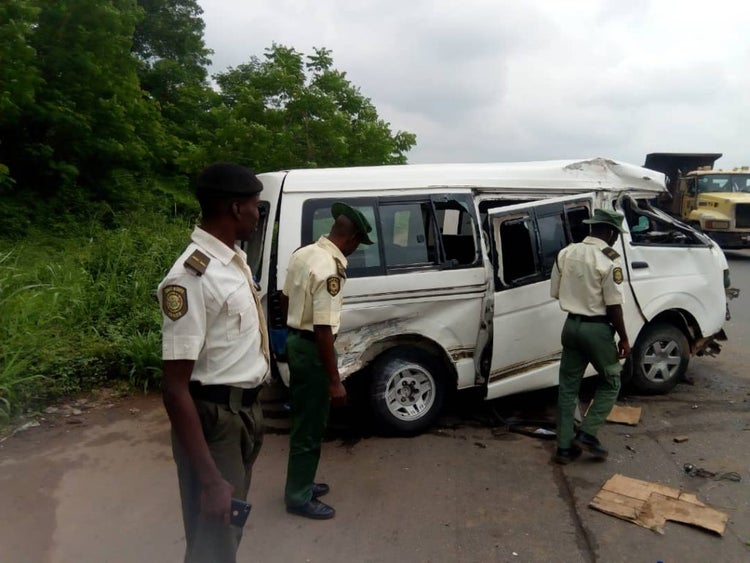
(623, 349)
(338, 394)
(216, 501)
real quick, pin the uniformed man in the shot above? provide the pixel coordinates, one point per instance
(587, 279)
(215, 352)
(313, 296)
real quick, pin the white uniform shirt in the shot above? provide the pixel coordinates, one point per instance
(314, 285)
(213, 318)
(585, 279)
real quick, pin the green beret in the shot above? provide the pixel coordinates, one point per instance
(356, 217)
(607, 217)
(226, 180)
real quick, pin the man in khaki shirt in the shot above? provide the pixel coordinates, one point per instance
(313, 296)
(587, 279)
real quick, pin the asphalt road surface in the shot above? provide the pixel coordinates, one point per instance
(95, 482)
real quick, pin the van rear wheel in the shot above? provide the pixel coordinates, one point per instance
(407, 390)
(660, 358)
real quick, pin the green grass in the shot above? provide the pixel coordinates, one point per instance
(80, 309)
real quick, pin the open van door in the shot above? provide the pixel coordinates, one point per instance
(525, 239)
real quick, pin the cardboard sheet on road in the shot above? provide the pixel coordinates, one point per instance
(651, 504)
(624, 415)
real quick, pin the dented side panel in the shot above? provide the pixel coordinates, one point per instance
(439, 311)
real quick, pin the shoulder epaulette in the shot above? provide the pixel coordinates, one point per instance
(340, 268)
(198, 262)
(610, 253)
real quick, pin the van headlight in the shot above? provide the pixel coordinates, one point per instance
(716, 224)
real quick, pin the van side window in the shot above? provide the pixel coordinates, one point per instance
(647, 228)
(413, 233)
(458, 231)
(575, 214)
(254, 247)
(518, 250)
(317, 221)
(405, 228)
(552, 238)
(529, 240)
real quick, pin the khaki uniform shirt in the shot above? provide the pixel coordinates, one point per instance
(314, 285)
(587, 276)
(214, 318)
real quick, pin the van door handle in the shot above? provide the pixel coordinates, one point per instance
(639, 265)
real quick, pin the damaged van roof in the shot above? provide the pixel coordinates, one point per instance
(596, 174)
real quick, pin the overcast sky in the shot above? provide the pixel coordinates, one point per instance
(506, 80)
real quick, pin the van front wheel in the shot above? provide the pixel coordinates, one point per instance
(660, 358)
(407, 389)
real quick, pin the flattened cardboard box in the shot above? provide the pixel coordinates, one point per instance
(651, 504)
(624, 415)
(619, 414)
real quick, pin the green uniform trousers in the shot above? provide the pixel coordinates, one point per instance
(586, 343)
(310, 402)
(234, 437)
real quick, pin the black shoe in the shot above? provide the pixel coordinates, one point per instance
(591, 444)
(565, 455)
(320, 489)
(313, 509)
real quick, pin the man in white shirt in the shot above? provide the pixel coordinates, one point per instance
(215, 352)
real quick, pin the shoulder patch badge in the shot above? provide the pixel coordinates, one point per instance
(610, 253)
(340, 268)
(333, 285)
(617, 275)
(174, 301)
(198, 262)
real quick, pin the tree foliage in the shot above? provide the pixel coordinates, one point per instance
(286, 111)
(102, 99)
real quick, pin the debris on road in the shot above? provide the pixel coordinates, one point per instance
(650, 505)
(680, 439)
(694, 471)
(624, 415)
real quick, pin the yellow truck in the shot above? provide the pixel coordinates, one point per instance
(716, 202)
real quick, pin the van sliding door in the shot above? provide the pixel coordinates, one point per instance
(525, 240)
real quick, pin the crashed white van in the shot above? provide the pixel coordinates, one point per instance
(454, 294)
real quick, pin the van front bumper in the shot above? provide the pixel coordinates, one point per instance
(709, 346)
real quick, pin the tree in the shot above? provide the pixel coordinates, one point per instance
(282, 112)
(172, 61)
(19, 77)
(90, 129)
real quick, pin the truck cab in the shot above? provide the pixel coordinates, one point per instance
(716, 202)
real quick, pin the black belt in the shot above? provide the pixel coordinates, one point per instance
(585, 319)
(221, 394)
(306, 334)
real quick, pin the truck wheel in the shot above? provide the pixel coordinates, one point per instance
(407, 389)
(660, 358)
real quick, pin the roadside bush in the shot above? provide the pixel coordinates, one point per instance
(81, 309)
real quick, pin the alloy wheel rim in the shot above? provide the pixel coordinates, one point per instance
(661, 360)
(410, 392)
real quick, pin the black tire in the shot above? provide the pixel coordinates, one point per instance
(660, 358)
(407, 390)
